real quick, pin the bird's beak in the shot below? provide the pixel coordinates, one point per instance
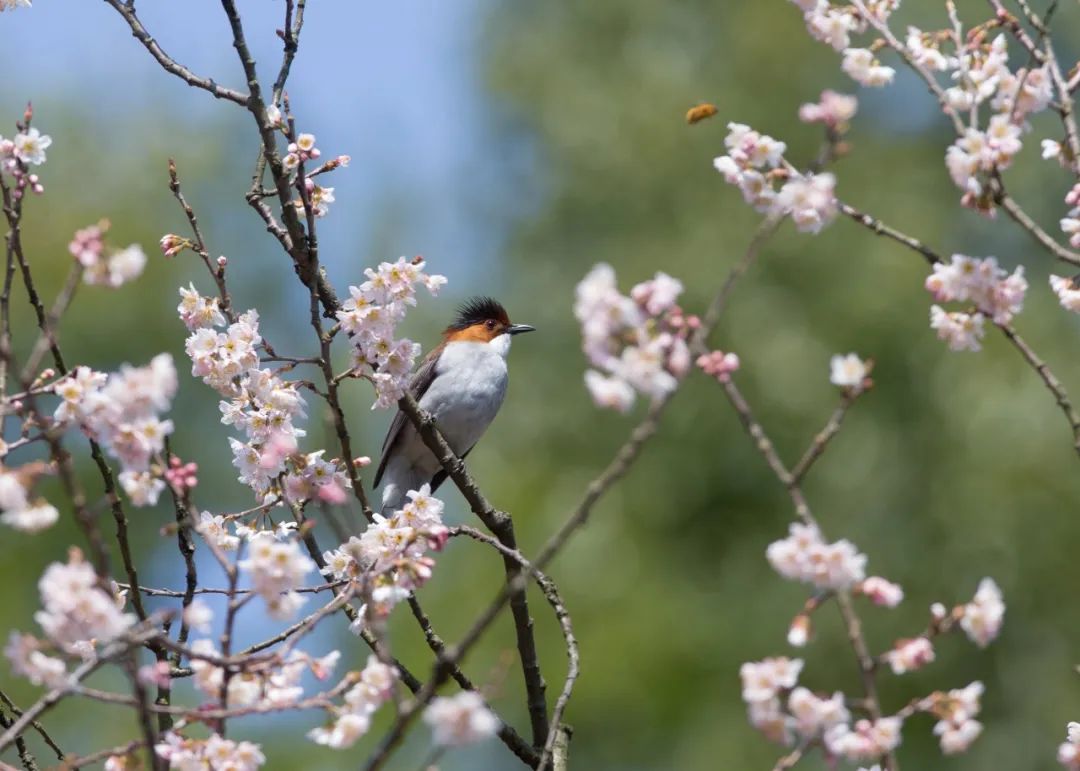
(517, 329)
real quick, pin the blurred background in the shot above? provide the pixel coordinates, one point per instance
(515, 145)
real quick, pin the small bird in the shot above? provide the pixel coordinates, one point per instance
(461, 383)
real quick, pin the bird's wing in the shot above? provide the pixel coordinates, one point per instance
(441, 475)
(418, 386)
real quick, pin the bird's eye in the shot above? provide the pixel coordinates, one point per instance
(490, 324)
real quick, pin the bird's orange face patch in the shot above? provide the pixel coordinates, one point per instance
(480, 332)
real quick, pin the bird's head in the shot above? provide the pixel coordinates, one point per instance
(483, 320)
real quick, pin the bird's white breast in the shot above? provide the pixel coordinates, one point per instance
(468, 389)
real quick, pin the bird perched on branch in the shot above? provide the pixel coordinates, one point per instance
(461, 383)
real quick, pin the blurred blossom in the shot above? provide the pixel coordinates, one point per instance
(881, 592)
(460, 719)
(353, 720)
(962, 331)
(1068, 753)
(638, 341)
(909, 655)
(957, 727)
(808, 199)
(813, 715)
(1067, 292)
(984, 615)
(804, 556)
(848, 371)
(866, 740)
(215, 752)
(864, 68)
(833, 109)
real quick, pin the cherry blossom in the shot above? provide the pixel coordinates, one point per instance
(848, 371)
(880, 591)
(983, 616)
(1067, 291)
(370, 317)
(833, 109)
(353, 719)
(864, 68)
(460, 719)
(804, 556)
(865, 740)
(215, 752)
(1068, 753)
(638, 341)
(909, 655)
(813, 715)
(957, 728)
(277, 569)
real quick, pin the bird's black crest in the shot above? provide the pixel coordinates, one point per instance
(478, 310)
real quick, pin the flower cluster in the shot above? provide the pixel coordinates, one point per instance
(76, 615)
(353, 719)
(389, 558)
(639, 341)
(755, 161)
(26, 149)
(763, 685)
(804, 556)
(865, 740)
(834, 26)
(259, 403)
(863, 67)
(13, 4)
(980, 72)
(833, 109)
(215, 752)
(370, 317)
(303, 149)
(122, 412)
(994, 292)
(460, 719)
(274, 686)
(909, 655)
(957, 727)
(718, 364)
(17, 510)
(112, 269)
(277, 568)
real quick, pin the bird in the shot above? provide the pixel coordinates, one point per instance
(461, 383)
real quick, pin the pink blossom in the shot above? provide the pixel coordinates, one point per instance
(813, 714)
(909, 655)
(718, 364)
(833, 109)
(864, 68)
(962, 331)
(1068, 753)
(1067, 291)
(881, 592)
(983, 616)
(866, 740)
(460, 719)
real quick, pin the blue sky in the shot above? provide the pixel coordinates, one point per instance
(398, 86)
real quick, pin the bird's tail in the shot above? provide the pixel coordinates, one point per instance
(397, 482)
